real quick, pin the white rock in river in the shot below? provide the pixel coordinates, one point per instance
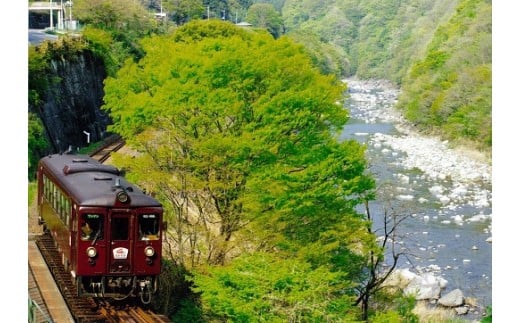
(424, 287)
(459, 219)
(444, 199)
(403, 178)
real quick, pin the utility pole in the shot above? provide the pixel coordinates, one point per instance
(208, 12)
(61, 16)
(50, 8)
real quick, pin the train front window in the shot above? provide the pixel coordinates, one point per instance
(91, 227)
(119, 228)
(148, 227)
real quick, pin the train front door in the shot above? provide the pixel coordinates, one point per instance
(121, 244)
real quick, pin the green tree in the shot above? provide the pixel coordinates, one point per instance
(243, 149)
(277, 4)
(130, 16)
(125, 21)
(182, 11)
(238, 9)
(264, 15)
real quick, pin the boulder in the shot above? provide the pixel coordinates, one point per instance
(463, 310)
(400, 278)
(455, 298)
(424, 287)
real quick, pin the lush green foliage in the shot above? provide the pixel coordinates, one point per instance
(450, 88)
(268, 287)
(114, 28)
(380, 39)
(277, 4)
(102, 44)
(264, 15)
(242, 150)
(174, 297)
(128, 17)
(393, 307)
(182, 11)
(37, 143)
(328, 57)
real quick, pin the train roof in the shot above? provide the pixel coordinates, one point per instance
(91, 183)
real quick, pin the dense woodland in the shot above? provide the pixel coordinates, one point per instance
(235, 131)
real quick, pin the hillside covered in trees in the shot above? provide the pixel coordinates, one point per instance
(439, 52)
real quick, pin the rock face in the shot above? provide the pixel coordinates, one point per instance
(71, 105)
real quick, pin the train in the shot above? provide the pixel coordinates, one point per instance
(107, 230)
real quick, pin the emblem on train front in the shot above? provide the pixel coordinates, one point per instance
(120, 253)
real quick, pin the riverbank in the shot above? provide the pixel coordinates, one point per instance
(437, 158)
(390, 114)
(446, 190)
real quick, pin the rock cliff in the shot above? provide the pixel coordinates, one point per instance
(71, 104)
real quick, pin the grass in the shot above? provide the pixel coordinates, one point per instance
(429, 314)
(90, 148)
(33, 186)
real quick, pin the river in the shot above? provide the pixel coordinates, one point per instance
(444, 193)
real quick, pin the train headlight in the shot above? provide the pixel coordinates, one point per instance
(149, 251)
(91, 252)
(122, 197)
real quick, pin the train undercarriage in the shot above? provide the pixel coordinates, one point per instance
(118, 287)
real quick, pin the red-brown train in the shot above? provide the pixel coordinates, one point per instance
(108, 231)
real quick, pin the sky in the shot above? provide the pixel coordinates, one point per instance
(13, 132)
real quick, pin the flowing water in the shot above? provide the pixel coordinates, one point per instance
(445, 193)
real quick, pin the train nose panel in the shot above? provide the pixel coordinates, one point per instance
(120, 267)
(121, 245)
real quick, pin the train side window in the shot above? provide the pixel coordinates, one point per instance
(148, 227)
(91, 227)
(119, 228)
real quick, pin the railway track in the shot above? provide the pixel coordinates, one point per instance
(110, 145)
(83, 309)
